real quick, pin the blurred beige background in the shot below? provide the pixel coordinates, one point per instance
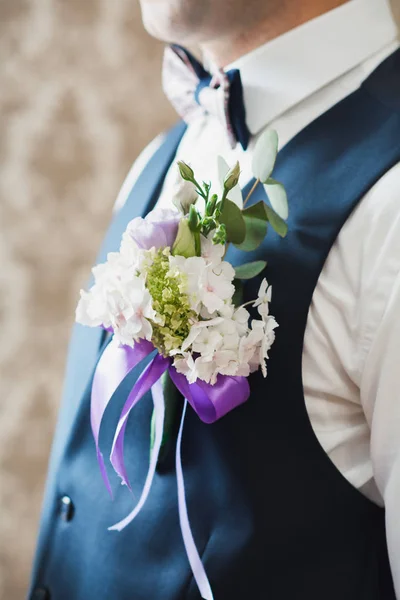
(79, 98)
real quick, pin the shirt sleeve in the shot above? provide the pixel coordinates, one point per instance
(380, 349)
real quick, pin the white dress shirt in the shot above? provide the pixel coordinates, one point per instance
(352, 339)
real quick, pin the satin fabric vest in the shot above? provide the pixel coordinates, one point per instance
(271, 515)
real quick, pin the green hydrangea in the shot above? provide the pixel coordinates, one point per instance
(172, 324)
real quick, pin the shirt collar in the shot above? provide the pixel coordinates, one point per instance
(285, 71)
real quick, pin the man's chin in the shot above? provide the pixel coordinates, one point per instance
(158, 21)
(172, 22)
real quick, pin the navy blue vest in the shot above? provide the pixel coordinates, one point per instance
(271, 515)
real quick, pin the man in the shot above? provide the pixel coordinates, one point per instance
(295, 494)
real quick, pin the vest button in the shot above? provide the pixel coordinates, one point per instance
(66, 508)
(40, 594)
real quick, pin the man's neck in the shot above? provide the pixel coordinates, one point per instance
(284, 17)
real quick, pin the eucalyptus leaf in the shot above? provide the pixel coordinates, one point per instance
(264, 155)
(250, 270)
(233, 220)
(256, 220)
(277, 223)
(278, 198)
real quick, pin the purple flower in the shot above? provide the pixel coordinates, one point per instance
(158, 229)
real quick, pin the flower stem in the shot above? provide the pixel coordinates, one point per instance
(250, 192)
(197, 243)
(199, 189)
(221, 205)
(248, 303)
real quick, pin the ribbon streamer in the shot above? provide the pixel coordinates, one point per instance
(191, 550)
(146, 381)
(159, 407)
(210, 402)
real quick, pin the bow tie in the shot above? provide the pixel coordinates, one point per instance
(194, 91)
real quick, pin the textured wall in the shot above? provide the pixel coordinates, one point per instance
(76, 77)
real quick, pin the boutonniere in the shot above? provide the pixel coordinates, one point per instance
(170, 295)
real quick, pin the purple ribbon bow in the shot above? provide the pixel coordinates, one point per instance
(210, 402)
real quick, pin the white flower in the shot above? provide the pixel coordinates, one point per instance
(196, 330)
(228, 331)
(226, 362)
(207, 342)
(201, 368)
(208, 283)
(250, 343)
(134, 322)
(241, 317)
(129, 251)
(217, 286)
(194, 269)
(255, 346)
(97, 306)
(86, 314)
(227, 310)
(264, 297)
(267, 341)
(205, 369)
(212, 253)
(118, 299)
(185, 364)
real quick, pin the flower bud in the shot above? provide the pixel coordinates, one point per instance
(186, 172)
(232, 177)
(185, 242)
(211, 205)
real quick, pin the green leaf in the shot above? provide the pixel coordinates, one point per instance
(237, 298)
(278, 224)
(250, 270)
(278, 198)
(233, 220)
(256, 221)
(264, 155)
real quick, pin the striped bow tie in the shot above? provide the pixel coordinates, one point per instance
(193, 91)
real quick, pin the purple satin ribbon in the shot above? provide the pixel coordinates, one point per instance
(210, 402)
(114, 365)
